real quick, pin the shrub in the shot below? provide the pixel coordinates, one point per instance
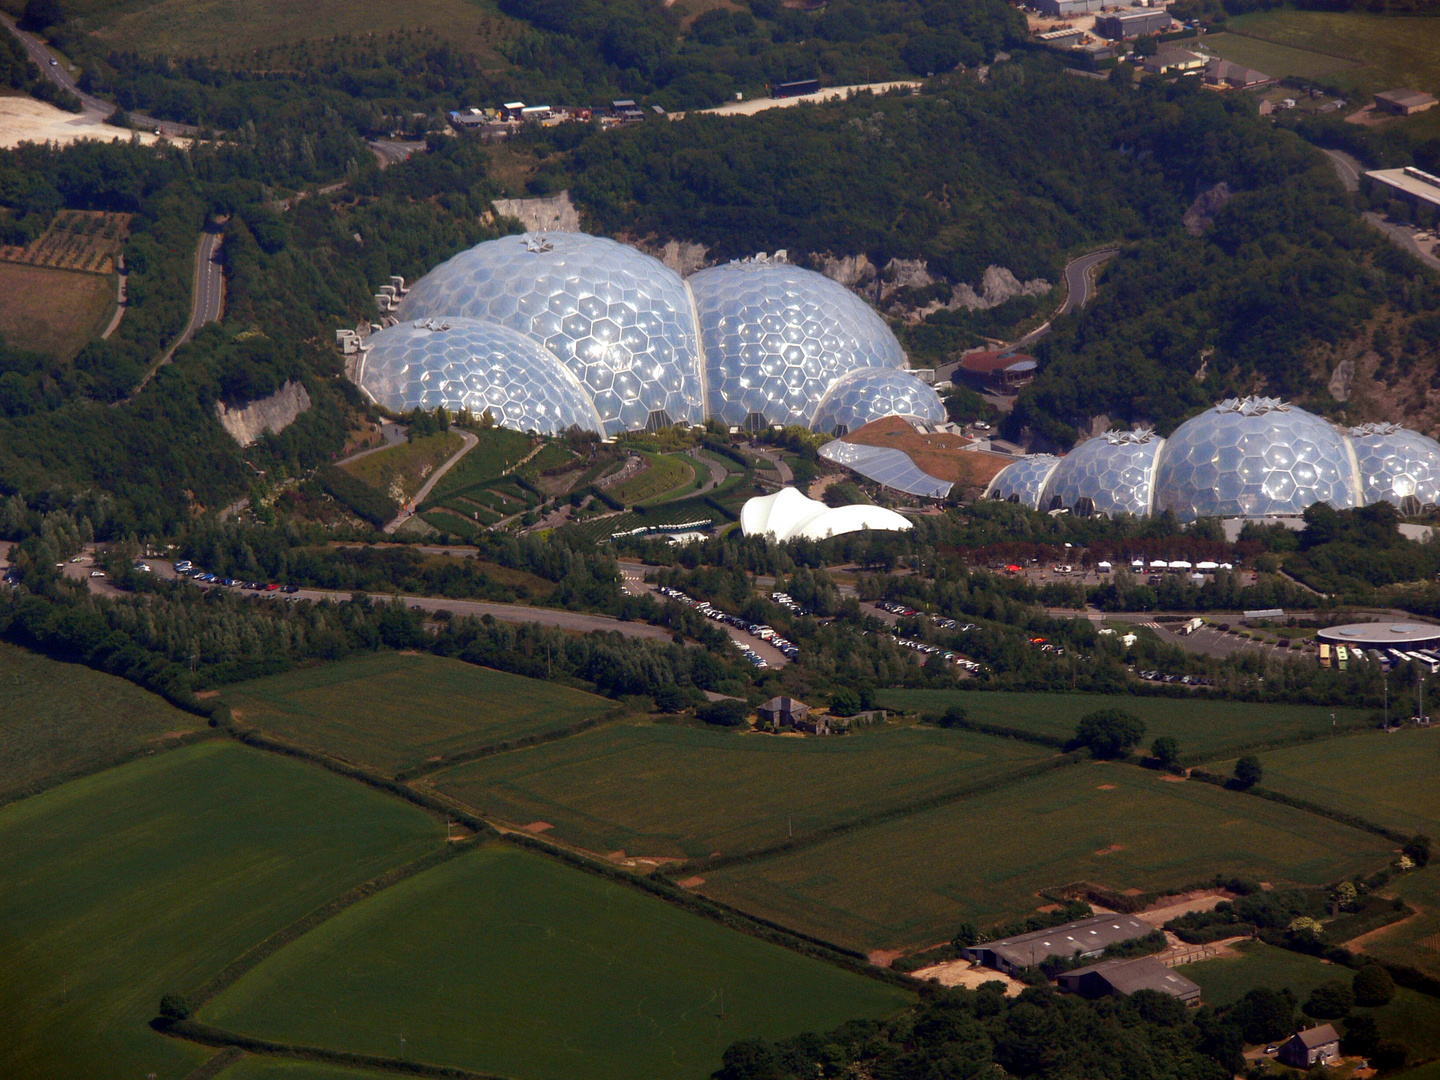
(1165, 750)
(954, 716)
(726, 713)
(1330, 1001)
(1248, 772)
(175, 1007)
(1373, 985)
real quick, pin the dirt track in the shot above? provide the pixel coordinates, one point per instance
(24, 119)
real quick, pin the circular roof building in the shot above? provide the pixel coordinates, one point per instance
(1024, 481)
(1110, 474)
(1396, 464)
(621, 321)
(871, 394)
(777, 337)
(1394, 635)
(1254, 457)
(477, 366)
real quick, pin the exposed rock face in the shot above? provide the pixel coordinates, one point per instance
(1340, 380)
(996, 286)
(555, 213)
(1207, 204)
(682, 256)
(273, 414)
(852, 271)
(905, 274)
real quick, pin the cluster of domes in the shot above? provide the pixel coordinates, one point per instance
(752, 343)
(1245, 458)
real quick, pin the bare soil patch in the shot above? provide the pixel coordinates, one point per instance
(24, 119)
(52, 311)
(1105, 787)
(691, 882)
(1111, 850)
(884, 957)
(971, 976)
(538, 827)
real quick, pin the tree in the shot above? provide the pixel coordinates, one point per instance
(844, 701)
(966, 936)
(1109, 733)
(1248, 772)
(1264, 1015)
(1165, 750)
(727, 712)
(1361, 1036)
(669, 698)
(1373, 985)
(1418, 849)
(42, 14)
(1330, 1001)
(174, 1007)
(954, 716)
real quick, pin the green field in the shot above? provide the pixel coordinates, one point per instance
(910, 882)
(155, 875)
(1205, 729)
(673, 791)
(1384, 52)
(508, 962)
(1410, 1016)
(1278, 60)
(395, 711)
(64, 719)
(1388, 779)
(274, 1068)
(666, 474)
(400, 471)
(497, 450)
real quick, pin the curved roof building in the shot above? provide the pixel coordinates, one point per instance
(868, 394)
(777, 337)
(1254, 457)
(477, 366)
(1395, 464)
(621, 321)
(789, 515)
(1114, 471)
(1024, 481)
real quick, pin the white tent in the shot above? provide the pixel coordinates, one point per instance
(788, 514)
(1181, 564)
(1103, 567)
(1207, 565)
(1159, 564)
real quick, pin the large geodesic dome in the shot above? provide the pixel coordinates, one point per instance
(1023, 481)
(873, 393)
(1114, 471)
(777, 337)
(1254, 457)
(1396, 464)
(476, 366)
(621, 321)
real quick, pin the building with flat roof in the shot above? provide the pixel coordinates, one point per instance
(1172, 59)
(1003, 369)
(1060, 9)
(1082, 938)
(1404, 636)
(1404, 102)
(1121, 978)
(1132, 24)
(1415, 186)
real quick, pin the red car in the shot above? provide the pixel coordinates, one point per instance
(272, 588)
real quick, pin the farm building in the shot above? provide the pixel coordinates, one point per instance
(1404, 102)
(1124, 25)
(1060, 9)
(1084, 937)
(1171, 59)
(1121, 978)
(783, 712)
(1225, 75)
(1317, 1046)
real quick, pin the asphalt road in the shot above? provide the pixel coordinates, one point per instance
(394, 151)
(1346, 167)
(207, 298)
(99, 108)
(406, 512)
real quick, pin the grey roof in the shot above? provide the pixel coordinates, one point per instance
(778, 704)
(1405, 97)
(1139, 973)
(1082, 936)
(1317, 1036)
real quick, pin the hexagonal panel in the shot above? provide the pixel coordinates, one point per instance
(1396, 462)
(1114, 471)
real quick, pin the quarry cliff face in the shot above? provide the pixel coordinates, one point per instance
(273, 414)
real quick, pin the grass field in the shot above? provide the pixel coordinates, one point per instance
(912, 881)
(507, 962)
(1279, 60)
(1387, 52)
(497, 450)
(62, 719)
(665, 474)
(1205, 729)
(53, 311)
(394, 711)
(674, 791)
(266, 1068)
(1410, 1016)
(153, 876)
(401, 470)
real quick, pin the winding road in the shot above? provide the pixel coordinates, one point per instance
(1349, 170)
(207, 298)
(468, 443)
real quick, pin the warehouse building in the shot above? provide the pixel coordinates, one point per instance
(1404, 102)
(1082, 938)
(1121, 978)
(1411, 185)
(1062, 9)
(1124, 25)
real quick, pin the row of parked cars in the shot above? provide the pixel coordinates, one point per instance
(909, 612)
(185, 568)
(757, 630)
(785, 600)
(1184, 680)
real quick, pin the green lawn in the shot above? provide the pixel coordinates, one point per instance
(675, 791)
(1388, 779)
(1206, 729)
(666, 474)
(64, 719)
(1278, 60)
(400, 471)
(912, 881)
(274, 1068)
(153, 876)
(505, 961)
(497, 450)
(1416, 941)
(395, 711)
(1410, 1016)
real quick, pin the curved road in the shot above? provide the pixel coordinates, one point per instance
(97, 108)
(468, 443)
(207, 301)
(1349, 170)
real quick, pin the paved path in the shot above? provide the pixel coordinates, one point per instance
(1346, 167)
(787, 476)
(207, 301)
(391, 434)
(829, 93)
(97, 108)
(393, 151)
(120, 300)
(406, 513)
(717, 471)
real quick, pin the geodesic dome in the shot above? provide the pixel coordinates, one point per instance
(621, 321)
(871, 394)
(1024, 481)
(1396, 463)
(1253, 457)
(478, 366)
(1115, 471)
(776, 338)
